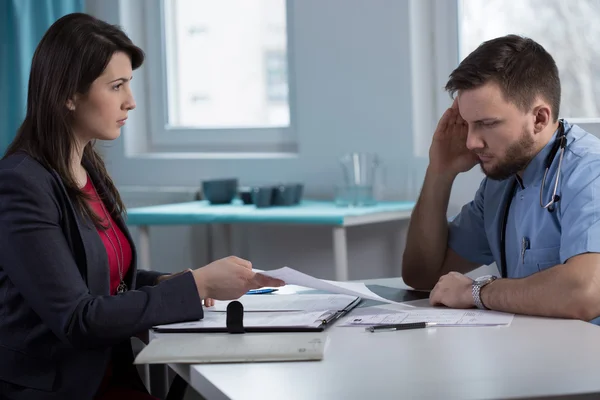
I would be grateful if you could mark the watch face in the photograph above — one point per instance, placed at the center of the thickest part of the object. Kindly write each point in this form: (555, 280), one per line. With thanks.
(484, 279)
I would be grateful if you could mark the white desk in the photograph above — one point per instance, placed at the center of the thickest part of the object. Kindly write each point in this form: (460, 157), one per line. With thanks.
(306, 213)
(533, 357)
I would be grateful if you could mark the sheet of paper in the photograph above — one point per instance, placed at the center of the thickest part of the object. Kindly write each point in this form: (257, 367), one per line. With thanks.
(443, 317)
(351, 285)
(288, 302)
(255, 319)
(371, 316)
(215, 348)
(291, 276)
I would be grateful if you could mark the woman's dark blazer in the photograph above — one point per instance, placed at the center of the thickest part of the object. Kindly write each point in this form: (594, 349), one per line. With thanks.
(58, 323)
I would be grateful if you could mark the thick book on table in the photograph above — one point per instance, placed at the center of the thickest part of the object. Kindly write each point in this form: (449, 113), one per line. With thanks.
(202, 349)
(266, 321)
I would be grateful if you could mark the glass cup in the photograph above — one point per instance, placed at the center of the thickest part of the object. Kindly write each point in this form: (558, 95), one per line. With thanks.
(354, 196)
(360, 169)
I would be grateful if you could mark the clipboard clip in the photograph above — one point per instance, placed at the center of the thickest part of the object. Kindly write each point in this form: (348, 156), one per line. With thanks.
(235, 317)
(328, 316)
(331, 316)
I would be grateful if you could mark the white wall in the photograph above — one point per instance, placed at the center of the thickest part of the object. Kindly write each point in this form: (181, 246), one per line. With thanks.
(352, 74)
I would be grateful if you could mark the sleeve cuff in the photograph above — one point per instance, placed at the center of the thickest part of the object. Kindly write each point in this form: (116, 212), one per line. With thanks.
(180, 299)
(147, 278)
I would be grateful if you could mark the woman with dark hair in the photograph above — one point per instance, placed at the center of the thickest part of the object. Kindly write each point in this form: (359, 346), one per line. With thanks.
(71, 296)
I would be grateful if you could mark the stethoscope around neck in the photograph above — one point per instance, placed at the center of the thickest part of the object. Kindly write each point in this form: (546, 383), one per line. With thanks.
(560, 143)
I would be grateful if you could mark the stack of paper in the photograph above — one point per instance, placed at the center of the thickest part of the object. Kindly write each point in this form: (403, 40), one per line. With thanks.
(265, 320)
(268, 313)
(288, 302)
(441, 316)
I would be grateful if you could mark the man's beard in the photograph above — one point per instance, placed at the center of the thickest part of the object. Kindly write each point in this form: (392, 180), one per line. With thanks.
(517, 157)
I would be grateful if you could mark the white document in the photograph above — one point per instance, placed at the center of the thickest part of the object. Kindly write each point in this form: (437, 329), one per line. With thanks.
(361, 286)
(293, 277)
(288, 302)
(287, 319)
(371, 316)
(442, 317)
(215, 348)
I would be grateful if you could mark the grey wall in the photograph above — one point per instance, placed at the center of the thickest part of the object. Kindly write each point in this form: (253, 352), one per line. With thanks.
(352, 72)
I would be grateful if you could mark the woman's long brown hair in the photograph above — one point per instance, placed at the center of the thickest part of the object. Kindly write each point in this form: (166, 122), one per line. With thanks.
(72, 54)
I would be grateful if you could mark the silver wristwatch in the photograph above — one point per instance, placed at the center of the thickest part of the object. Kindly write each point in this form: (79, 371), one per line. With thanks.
(479, 283)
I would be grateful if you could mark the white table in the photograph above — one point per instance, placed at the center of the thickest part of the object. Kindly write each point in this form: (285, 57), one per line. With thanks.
(306, 213)
(533, 357)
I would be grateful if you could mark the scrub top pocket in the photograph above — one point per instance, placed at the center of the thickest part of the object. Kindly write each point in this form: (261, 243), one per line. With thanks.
(536, 260)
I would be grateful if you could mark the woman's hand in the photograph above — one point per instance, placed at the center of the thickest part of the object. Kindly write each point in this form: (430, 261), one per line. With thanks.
(229, 278)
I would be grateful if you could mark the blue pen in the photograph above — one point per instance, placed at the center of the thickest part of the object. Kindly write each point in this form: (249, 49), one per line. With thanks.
(261, 291)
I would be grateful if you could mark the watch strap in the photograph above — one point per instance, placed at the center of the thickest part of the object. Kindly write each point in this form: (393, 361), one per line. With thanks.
(476, 290)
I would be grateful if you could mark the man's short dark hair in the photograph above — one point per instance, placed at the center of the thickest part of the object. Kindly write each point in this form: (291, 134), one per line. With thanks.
(521, 67)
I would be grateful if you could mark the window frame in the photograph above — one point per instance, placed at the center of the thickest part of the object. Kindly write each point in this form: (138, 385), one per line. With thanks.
(432, 61)
(162, 138)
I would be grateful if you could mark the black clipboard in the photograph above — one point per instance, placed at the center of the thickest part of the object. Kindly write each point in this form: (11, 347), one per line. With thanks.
(325, 323)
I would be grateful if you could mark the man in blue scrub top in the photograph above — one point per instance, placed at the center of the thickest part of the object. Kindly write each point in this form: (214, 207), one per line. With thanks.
(505, 118)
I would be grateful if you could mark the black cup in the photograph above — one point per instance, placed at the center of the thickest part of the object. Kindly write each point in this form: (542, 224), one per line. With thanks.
(287, 194)
(220, 191)
(299, 189)
(245, 194)
(262, 196)
(284, 195)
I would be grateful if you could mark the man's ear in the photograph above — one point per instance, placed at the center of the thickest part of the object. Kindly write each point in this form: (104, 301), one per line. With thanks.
(542, 117)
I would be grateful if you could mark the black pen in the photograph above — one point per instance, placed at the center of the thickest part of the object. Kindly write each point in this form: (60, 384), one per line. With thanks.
(400, 327)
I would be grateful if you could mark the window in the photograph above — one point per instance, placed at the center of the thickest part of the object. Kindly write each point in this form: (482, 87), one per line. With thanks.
(567, 29)
(217, 76)
(225, 67)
